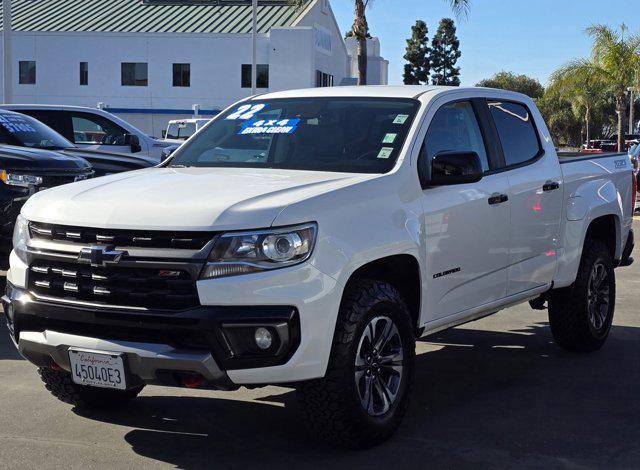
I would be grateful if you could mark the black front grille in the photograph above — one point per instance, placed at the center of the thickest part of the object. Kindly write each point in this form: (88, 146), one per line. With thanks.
(153, 288)
(120, 237)
(58, 180)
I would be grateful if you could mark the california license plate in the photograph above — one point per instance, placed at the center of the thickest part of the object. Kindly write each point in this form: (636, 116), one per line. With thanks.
(97, 369)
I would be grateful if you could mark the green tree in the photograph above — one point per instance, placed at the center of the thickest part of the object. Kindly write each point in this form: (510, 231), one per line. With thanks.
(584, 89)
(360, 28)
(445, 52)
(510, 81)
(615, 59)
(417, 54)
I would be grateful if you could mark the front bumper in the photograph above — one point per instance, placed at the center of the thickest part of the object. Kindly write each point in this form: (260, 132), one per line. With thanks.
(146, 362)
(159, 346)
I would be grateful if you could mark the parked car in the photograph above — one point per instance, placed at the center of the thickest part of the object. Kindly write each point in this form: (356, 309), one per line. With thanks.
(634, 155)
(26, 171)
(34, 134)
(182, 129)
(93, 129)
(309, 237)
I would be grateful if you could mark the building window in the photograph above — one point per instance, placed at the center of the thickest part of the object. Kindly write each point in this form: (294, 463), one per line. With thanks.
(84, 73)
(134, 74)
(323, 79)
(27, 69)
(262, 79)
(181, 74)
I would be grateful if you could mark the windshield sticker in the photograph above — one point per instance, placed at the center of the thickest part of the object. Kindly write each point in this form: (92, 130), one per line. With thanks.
(401, 119)
(246, 111)
(389, 138)
(16, 124)
(269, 126)
(385, 152)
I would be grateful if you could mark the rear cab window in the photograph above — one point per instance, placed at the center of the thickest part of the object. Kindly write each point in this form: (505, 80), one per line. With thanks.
(516, 130)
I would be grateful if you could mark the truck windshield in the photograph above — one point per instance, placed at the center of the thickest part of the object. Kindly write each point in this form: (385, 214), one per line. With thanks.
(323, 134)
(25, 131)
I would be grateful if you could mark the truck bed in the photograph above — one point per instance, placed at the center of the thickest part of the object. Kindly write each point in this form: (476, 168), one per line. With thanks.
(568, 157)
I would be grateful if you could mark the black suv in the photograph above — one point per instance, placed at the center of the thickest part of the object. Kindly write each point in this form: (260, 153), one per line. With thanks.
(24, 171)
(20, 130)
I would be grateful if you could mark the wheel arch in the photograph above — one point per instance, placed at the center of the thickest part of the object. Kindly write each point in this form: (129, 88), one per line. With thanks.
(606, 228)
(401, 271)
(600, 225)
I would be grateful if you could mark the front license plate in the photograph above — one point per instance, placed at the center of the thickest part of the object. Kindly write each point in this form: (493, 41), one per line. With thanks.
(97, 369)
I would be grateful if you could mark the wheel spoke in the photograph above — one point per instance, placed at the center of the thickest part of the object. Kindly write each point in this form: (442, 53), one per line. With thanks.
(384, 335)
(381, 391)
(394, 357)
(395, 369)
(365, 398)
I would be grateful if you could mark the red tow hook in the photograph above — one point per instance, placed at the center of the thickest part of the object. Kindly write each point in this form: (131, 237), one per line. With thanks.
(55, 367)
(192, 380)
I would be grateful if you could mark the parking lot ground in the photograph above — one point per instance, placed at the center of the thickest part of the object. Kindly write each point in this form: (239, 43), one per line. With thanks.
(496, 393)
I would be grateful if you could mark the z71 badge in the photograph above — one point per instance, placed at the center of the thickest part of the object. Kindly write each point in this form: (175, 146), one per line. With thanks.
(620, 163)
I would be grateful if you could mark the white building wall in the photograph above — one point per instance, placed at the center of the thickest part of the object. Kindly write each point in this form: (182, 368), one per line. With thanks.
(293, 54)
(377, 66)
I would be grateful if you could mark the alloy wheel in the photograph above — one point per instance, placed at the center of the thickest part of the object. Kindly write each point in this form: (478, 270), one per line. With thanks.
(379, 365)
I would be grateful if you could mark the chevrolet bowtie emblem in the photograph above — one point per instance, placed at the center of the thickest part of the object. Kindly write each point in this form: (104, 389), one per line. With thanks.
(99, 256)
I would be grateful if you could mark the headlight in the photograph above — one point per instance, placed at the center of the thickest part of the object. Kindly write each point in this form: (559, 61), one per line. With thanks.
(15, 179)
(248, 252)
(21, 237)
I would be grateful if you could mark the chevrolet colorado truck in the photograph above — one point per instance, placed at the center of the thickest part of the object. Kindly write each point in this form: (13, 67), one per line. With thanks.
(308, 238)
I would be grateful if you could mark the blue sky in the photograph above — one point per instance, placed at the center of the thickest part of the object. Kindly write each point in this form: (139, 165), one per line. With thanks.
(532, 37)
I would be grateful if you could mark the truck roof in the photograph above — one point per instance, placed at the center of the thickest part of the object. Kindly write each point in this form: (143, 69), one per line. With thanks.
(379, 91)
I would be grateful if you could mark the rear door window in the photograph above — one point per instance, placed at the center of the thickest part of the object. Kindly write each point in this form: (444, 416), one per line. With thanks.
(516, 130)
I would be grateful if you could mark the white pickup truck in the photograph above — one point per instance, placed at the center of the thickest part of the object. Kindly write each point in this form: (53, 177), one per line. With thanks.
(308, 238)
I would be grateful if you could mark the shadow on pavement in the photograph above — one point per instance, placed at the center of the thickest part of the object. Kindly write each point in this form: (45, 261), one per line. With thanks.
(483, 398)
(7, 348)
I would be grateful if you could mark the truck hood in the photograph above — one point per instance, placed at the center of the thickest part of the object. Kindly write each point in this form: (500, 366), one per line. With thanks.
(182, 198)
(101, 155)
(14, 158)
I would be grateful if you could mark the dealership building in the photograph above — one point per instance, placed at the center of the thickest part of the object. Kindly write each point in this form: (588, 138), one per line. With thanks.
(153, 60)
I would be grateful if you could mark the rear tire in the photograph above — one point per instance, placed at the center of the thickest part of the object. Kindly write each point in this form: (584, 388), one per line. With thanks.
(365, 393)
(61, 386)
(581, 315)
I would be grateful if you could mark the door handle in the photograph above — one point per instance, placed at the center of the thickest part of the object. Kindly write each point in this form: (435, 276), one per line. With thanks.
(551, 186)
(498, 199)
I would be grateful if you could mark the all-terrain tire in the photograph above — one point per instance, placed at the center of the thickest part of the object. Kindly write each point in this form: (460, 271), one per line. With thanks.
(569, 316)
(61, 386)
(332, 406)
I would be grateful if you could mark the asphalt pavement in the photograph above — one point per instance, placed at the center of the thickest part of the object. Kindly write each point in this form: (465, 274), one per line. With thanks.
(495, 393)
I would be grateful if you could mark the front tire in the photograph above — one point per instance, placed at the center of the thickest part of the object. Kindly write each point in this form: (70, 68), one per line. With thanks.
(61, 386)
(581, 315)
(365, 393)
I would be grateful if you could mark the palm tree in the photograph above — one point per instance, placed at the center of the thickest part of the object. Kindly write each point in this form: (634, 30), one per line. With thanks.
(360, 30)
(615, 58)
(585, 89)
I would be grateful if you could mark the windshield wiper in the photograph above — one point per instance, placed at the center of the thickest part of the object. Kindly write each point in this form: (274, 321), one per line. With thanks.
(177, 166)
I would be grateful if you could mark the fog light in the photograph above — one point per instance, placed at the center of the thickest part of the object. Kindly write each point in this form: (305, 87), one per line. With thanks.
(263, 338)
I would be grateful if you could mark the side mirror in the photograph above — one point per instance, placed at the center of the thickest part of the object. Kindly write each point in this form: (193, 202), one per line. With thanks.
(167, 151)
(455, 168)
(132, 141)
